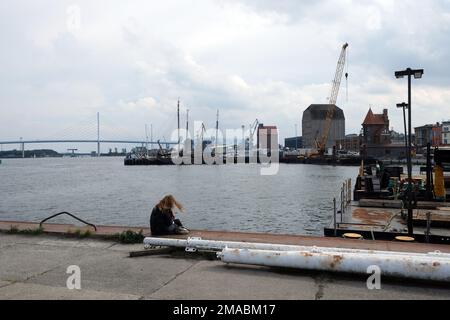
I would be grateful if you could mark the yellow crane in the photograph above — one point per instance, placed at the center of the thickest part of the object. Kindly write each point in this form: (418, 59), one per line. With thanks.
(322, 142)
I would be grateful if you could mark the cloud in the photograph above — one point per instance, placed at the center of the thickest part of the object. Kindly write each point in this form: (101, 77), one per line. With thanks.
(250, 59)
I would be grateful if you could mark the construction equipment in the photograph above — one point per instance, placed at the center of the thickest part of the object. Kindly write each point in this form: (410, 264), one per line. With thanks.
(202, 132)
(322, 142)
(253, 127)
(161, 150)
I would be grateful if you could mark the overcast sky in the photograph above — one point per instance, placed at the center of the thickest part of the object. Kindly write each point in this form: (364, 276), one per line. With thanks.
(61, 62)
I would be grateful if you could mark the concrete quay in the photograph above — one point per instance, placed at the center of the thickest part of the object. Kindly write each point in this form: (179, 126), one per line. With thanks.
(34, 267)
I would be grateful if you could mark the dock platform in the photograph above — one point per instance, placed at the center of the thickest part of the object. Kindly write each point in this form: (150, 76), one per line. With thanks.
(384, 220)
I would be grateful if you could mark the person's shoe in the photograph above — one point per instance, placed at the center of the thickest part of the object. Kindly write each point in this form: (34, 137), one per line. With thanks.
(182, 230)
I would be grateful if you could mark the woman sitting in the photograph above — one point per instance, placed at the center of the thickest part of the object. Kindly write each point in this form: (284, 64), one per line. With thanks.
(162, 219)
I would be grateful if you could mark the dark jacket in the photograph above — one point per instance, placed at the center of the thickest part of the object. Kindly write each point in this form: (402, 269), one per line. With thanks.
(160, 220)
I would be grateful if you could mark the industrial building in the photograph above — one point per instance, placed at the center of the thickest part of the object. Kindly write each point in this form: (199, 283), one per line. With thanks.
(314, 123)
(293, 143)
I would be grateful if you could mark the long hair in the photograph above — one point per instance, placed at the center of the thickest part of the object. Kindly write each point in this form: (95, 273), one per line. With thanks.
(168, 203)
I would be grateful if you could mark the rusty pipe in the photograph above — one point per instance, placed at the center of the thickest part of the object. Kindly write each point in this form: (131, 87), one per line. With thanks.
(416, 266)
(203, 244)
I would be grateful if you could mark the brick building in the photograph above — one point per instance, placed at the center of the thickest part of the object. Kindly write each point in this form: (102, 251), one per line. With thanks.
(376, 140)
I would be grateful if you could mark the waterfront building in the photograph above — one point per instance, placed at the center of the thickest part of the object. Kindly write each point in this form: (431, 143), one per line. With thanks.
(397, 137)
(267, 133)
(376, 128)
(351, 142)
(377, 139)
(293, 143)
(314, 121)
(445, 133)
(437, 135)
(429, 133)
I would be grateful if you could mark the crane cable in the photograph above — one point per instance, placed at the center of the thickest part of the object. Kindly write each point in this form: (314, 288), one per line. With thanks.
(346, 76)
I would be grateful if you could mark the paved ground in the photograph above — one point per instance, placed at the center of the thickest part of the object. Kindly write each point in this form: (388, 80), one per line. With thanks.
(34, 267)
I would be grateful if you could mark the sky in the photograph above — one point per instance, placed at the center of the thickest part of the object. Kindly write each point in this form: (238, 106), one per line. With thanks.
(62, 62)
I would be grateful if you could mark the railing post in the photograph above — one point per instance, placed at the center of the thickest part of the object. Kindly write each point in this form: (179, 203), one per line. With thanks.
(349, 199)
(334, 217)
(427, 234)
(344, 191)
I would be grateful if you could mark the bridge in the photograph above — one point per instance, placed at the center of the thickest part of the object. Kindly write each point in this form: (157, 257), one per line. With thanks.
(141, 142)
(93, 129)
(86, 141)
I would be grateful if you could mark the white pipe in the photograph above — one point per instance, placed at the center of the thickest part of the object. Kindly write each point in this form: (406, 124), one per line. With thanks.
(417, 266)
(200, 244)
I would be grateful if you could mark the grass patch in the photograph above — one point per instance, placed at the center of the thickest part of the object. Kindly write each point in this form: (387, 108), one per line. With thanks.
(87, 234)
(13, 230)
(32, 232)
(80, 234)
(112, 237)
(131, 236)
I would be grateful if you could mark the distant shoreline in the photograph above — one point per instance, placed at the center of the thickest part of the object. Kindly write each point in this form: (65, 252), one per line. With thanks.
(49, 153)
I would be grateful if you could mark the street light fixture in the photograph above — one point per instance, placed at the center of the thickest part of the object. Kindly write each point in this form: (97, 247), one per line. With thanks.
(409, 72)
(417, 73)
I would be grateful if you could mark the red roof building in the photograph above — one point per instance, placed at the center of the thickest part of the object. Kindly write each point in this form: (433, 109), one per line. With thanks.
(376, 128)
(376, 138)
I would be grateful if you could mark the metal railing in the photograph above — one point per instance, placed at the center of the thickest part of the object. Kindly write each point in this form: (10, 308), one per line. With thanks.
(73, 216)
(345, 199)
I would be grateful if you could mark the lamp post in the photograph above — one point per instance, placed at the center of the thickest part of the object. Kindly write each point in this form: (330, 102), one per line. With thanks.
(404, 106)
(417, 73)
(296, 140)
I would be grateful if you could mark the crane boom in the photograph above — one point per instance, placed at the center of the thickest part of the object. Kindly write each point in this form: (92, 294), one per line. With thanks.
(253, 127)
(332, 100)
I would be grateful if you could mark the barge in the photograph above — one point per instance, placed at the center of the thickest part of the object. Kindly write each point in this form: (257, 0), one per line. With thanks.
(378, 208)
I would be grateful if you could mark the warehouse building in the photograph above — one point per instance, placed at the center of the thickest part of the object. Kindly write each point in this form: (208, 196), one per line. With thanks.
(313, 125)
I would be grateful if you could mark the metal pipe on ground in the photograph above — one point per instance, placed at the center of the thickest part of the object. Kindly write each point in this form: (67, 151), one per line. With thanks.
(423, 267)
(203, 244)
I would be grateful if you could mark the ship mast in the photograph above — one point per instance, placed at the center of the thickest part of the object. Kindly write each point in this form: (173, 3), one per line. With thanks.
(178, 119)
(217, 128)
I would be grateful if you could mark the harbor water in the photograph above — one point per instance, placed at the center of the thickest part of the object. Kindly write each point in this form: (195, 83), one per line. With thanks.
(296, 200)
